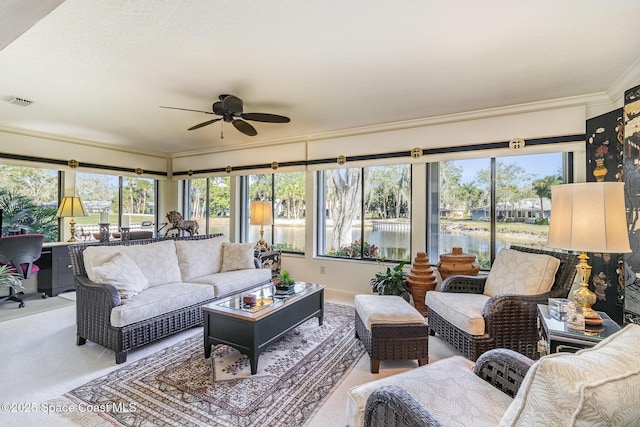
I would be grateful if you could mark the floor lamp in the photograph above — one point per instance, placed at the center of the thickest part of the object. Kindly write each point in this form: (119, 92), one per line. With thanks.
(71, 207)
(261, 215)
(588, 217)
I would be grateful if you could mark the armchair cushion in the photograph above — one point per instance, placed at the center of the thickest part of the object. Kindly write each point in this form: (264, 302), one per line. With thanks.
(123, 274)
(449, 389)
(464, 311)
(521, 273)
(595, 386)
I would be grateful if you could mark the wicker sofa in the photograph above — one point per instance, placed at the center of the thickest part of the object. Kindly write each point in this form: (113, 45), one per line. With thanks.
(180, 273)
(505, 319)
(598, 386)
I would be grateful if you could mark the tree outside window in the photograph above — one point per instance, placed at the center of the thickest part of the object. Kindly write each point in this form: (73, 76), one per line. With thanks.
(522, 189)
(286, 191)
(29, 201)
(374, 226)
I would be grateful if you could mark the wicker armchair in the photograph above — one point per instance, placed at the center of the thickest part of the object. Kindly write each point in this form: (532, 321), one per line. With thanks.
(393, 406)
(509, 319)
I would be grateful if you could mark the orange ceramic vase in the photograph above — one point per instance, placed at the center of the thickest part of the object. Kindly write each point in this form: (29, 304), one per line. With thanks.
(421, 279)
(457, 263)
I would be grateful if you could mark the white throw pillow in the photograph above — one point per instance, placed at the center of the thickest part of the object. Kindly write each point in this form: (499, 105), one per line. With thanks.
(95, 256)
(237, 256)
(199, 258)
(521, 273)
(596, 386)
(123, 273)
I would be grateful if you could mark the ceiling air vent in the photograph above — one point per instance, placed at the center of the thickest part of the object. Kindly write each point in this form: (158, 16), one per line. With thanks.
(20, 102)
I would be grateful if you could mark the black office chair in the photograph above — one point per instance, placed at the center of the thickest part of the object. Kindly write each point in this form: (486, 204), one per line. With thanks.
(20, 252)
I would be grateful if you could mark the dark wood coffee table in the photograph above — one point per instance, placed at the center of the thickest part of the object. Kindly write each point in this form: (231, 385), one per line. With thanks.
(253, 329)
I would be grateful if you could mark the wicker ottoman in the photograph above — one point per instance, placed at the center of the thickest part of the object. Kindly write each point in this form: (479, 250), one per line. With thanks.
(391, 329)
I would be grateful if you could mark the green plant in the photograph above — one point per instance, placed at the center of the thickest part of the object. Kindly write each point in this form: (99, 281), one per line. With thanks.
(9, 277)
(355, 249)
(284, 279)
(393, 281)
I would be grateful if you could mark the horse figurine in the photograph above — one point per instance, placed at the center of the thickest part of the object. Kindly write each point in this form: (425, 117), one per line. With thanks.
(180, 224)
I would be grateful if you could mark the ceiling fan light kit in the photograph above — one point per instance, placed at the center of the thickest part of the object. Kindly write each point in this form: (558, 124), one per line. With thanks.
(230, 108)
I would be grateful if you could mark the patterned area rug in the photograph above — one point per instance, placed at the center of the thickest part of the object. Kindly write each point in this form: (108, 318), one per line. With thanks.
(176, 387)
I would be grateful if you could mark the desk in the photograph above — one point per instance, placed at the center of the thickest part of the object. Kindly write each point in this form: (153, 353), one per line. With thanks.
(555, 337)
(56, 274)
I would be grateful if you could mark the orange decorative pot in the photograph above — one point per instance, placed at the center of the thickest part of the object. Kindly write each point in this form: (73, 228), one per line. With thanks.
(421, 279)
(458, 263)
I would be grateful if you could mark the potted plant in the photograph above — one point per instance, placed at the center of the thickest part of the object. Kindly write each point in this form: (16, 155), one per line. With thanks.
(393, 281)
(9, 278)
(283, 280)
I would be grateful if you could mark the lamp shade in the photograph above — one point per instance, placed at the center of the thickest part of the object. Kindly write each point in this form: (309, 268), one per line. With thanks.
(260, 213)
(589, 217)
(71, 207)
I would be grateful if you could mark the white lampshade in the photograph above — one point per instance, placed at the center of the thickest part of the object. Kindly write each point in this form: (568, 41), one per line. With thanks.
(589, 217)
(260, 213)
(71, 207)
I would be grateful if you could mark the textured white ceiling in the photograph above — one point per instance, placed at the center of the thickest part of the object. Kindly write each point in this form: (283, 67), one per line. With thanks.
(99, 70)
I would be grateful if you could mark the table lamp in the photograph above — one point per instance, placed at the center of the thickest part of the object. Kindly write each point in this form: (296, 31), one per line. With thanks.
(71, 207)
(588, 217)
(261, 215)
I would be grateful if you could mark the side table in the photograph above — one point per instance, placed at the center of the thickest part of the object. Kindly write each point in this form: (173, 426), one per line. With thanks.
(556, 337)
(270, 259)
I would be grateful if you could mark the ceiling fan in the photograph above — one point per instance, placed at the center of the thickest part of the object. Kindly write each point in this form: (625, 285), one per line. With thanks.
(230, 108)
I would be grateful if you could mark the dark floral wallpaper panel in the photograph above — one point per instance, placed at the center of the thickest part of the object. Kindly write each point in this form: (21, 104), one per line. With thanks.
(604, 140)
(631, 177)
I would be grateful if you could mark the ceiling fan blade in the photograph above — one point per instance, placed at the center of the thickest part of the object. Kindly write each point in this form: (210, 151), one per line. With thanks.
(187, 109)
(244, 127)
(264, 117)
(217, 108)
(203, 124)
(233, 104)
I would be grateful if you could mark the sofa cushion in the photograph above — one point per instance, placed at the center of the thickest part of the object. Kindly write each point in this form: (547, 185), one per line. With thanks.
(157, 261)
(596, 386)
(159, 299)
(199, 257)
(121, 272)
(464, 311)
(234, 281)
(447, 388)
(389, 309)
(237, 256)
(94, 256)
(521, 273)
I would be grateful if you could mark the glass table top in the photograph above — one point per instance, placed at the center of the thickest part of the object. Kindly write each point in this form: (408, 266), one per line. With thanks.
(593, 333)
(265, 296)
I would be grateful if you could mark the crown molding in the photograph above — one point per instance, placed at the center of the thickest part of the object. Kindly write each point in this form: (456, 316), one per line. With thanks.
(627, 80)
(83, 142)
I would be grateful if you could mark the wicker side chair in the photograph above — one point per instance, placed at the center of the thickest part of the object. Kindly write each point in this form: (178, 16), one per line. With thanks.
(392, 405)
(510, 320)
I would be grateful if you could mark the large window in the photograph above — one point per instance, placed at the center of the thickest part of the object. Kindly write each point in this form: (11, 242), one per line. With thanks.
(29, 201)
(100, 193)
(365, 213)
(122, 198)
(139, 201)
(286, 192)
(488, 204)
(209, 204)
